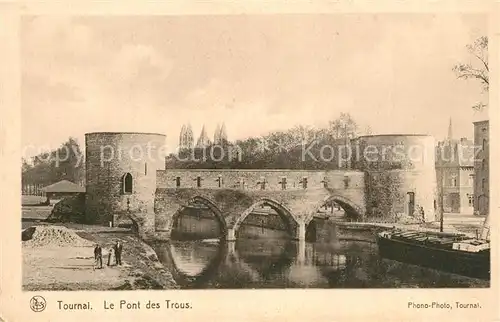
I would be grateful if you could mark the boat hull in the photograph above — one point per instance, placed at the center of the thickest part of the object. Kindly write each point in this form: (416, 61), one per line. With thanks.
(476, 265)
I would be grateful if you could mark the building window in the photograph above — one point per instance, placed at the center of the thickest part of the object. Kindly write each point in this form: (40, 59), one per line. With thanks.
(484, 144)
(127, 183)
(454, 182)
(471, 180)
(483, 183)
(262, 183)
(471, 200)
(146, 169)
(283, 183)
(198, 182)
(483, 164)
(304, 182)
(177, 182)
(219, 180)
(346, 182)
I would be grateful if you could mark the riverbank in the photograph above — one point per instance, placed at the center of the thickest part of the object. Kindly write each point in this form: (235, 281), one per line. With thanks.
(471, 228)
(67, 267)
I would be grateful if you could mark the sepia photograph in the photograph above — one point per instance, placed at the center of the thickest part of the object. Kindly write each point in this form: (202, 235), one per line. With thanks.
(253, 151)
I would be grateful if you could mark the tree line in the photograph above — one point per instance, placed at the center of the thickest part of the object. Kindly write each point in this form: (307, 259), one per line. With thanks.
(301, 147)
(65, 163)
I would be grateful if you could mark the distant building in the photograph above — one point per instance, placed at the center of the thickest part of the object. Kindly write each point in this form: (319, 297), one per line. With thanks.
(455, 173)
(217, 139)
(481, 167)
(63, 188)
(203, 140)
(223, 133)
(186, 138)
(220, 135)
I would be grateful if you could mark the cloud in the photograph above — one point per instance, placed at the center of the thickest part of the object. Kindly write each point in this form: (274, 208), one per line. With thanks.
(136, 60)
(39, 90)
(57, 43)
(256, 73)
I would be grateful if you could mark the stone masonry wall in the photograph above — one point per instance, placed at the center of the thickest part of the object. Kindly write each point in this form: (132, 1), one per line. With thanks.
(397, 167)
(387, 195)
(250, 179)
(109, 156)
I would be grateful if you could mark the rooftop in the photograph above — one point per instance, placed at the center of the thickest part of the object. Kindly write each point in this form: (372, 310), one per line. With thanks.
(64, 186)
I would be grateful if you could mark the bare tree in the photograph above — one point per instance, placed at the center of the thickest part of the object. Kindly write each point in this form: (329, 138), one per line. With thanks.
(478, 68)
(343, 127)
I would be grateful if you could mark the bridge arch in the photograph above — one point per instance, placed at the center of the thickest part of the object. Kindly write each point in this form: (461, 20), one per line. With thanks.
(285, 214)
(141, 224)
(207, 203)
(351, 208)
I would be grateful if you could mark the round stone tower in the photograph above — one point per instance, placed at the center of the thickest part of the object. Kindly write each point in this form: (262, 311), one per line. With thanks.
(400, 176)
(121, 175)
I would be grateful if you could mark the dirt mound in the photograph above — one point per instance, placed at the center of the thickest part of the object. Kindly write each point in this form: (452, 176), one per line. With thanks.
(53, 236)
(69, 209)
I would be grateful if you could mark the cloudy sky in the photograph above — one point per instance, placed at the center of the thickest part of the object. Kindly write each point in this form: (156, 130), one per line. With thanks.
(255, 73)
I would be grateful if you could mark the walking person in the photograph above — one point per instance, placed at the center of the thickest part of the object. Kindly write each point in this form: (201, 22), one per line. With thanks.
(118, 253)
(98, 256)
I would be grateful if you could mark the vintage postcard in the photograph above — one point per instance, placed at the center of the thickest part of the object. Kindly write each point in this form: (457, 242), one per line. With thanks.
(250, 162)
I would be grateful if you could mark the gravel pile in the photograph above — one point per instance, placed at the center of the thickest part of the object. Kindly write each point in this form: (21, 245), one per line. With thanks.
(53, 236)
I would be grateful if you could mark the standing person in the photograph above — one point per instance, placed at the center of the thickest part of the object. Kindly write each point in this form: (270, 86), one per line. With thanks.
(118, 253)
(111, 252)
(98, 256)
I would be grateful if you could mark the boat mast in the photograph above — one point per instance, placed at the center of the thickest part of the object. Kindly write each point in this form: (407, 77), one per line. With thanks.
(441, 210)
(440, 201)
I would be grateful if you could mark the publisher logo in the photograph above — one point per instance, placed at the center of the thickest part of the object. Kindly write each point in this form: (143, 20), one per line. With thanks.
(37, 303)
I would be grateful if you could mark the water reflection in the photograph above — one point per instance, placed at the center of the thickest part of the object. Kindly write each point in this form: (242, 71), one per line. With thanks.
(192, 264)
(281, 263)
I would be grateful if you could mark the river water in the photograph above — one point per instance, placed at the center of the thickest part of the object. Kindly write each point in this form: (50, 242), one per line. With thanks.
(281, 263)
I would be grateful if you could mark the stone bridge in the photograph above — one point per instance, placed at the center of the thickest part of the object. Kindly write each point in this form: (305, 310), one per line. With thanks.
(232, 195)
(391, 185)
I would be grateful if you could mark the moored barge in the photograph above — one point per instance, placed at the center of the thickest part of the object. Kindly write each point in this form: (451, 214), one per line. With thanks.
(455, 253)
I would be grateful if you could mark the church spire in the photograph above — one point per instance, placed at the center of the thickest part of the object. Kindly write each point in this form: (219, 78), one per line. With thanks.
(217, 134)
(181, 136)
(186, 137)
(203, 140)
(450, 131)
(189, 136)
(223, 133)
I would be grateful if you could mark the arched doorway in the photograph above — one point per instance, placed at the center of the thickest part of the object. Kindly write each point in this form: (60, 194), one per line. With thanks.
(199, 219)
(266, 218)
